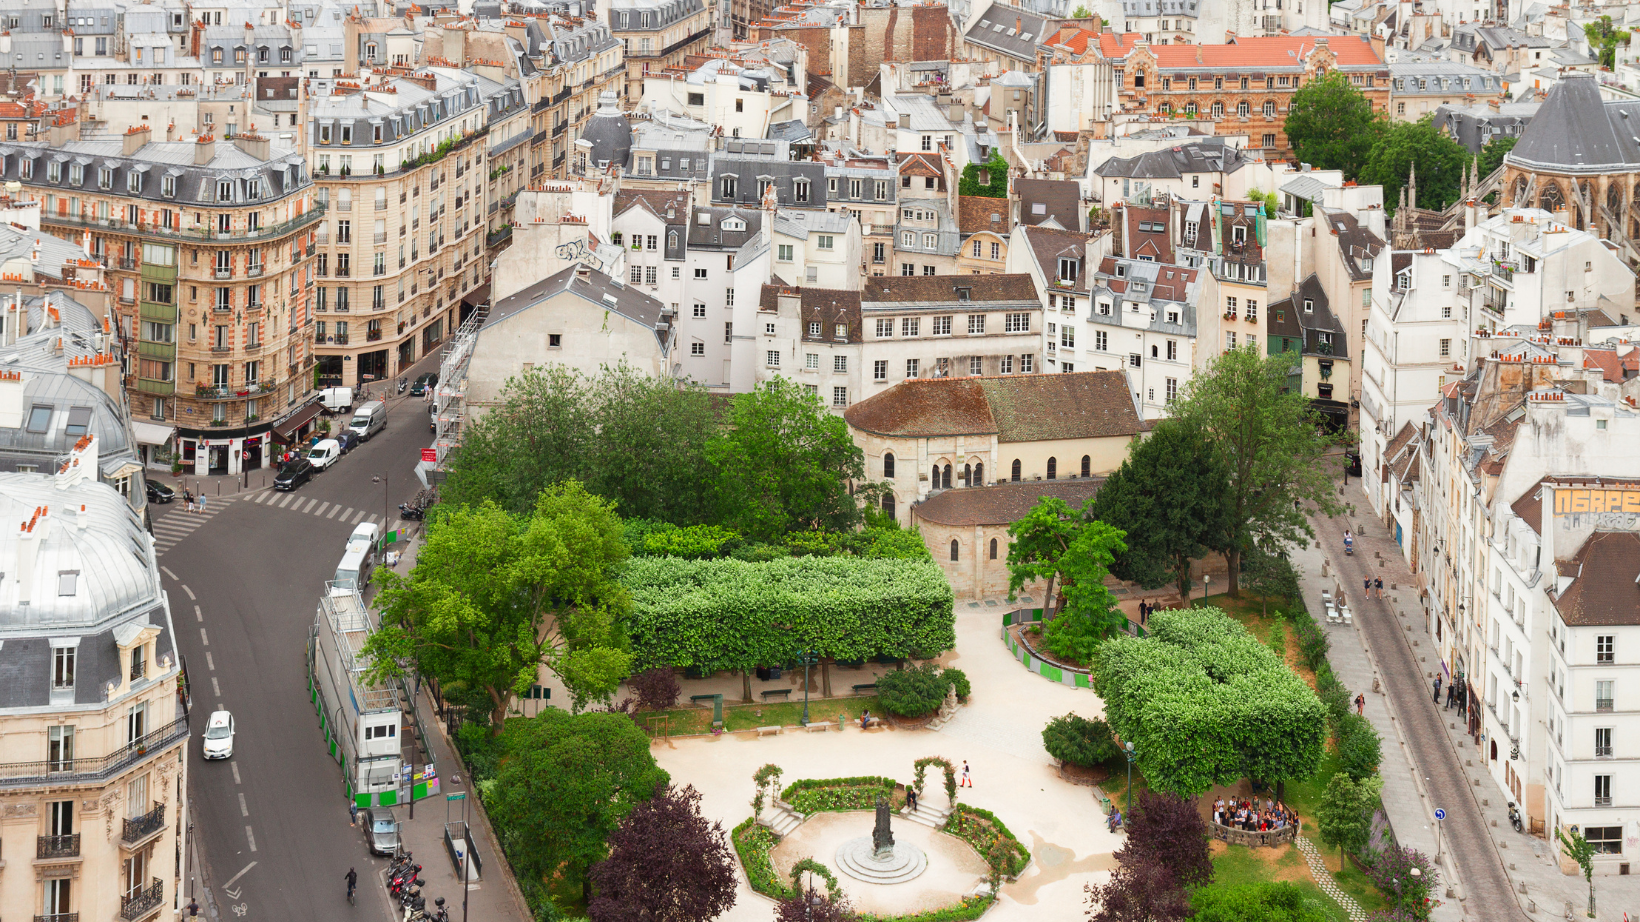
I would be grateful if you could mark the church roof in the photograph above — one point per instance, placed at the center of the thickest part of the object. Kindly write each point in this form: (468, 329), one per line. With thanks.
(1576, 131)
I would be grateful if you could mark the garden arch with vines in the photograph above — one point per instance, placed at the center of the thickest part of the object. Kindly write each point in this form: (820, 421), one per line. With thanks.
(921, 766)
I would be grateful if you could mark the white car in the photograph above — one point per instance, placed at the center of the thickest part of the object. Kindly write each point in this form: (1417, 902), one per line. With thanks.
(364, 536)
(219, 735)
(324, 454)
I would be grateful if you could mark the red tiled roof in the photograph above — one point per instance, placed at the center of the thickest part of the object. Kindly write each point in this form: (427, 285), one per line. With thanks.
(977, 213)
(1075, 39)
(1016, 408)
(1611, 368)
(1003, 504)
(1530, 506)
(1602, 590)
(1113, 45)
(1267, 52)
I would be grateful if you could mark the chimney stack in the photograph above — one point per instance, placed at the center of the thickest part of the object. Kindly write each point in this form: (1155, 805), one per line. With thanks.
(136, 138)
(204, 149)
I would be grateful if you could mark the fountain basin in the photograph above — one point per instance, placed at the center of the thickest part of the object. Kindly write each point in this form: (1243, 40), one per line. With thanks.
(860, 859)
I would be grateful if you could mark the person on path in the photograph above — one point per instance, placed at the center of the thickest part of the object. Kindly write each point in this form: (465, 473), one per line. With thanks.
(1143, 611)
(1451, 695)
(352, 814)
(188, 500)
(1366, 586)
(193, 908)
(1378, 585)
(967, 782)
(1437, 689)
(1360, 705)
(201, 504)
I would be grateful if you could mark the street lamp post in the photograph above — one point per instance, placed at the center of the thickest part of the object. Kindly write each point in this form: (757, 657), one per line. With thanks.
(387, 504)
(1131, 756)
(808, 660)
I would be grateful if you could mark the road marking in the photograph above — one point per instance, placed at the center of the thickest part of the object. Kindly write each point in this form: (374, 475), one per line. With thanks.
(310, 504)
(198, 615)
(334, 511)
(209, 662)
(203, 638)
(288, 498)
(167, 572)
(358, 517)
(235, 767)
(217, 689)
(234, 894)
(322, 509)
(190, 592)
(243, 809)
(251, 836)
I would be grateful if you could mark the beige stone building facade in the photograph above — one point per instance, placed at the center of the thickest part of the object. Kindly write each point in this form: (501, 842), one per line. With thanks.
(656, 35)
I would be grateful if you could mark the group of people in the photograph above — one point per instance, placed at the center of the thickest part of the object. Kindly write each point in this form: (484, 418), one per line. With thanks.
(1247, 814)
(191, 502)
(1373, 585)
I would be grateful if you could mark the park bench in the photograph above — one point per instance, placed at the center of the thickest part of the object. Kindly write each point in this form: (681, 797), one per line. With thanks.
(865, 688)
(874, 723)
(777, 693)
(819, 727)
(768, 731)
(697, 699)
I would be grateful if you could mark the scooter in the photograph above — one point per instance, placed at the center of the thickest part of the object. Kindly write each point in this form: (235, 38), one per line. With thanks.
(403, 385)
(1514, 816)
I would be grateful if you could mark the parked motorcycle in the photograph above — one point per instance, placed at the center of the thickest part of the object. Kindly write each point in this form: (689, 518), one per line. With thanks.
(1514, 816)
(404, 385)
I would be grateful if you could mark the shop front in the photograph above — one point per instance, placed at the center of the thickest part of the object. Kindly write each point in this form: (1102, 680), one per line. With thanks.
(224, 451)
(153, 442)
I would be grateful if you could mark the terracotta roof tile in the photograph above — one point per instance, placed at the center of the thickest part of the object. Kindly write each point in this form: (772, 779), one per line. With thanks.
(825, 306)
(1049, 243)
(1530, 506)
(657, 200)
(1113, 45)
(1271, 52)
(1080, 405)
(1003, 504)
(977, 213)
(923, 407)
(1603, 589)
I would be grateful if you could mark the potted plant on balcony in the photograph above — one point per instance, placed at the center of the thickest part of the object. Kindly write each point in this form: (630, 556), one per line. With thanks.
(200, 389)
(324, 169)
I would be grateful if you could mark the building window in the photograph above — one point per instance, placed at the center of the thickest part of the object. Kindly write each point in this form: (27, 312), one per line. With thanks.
(976, 365)
(772, 358)
(811, 360)
(1015, 473)
(954, 547)
(1602, 790)
(1605, 648)
(879, 370)
(1607, 840)
(888, 465)
(697, 348)
(911, 366)
(62, 668)
(839, 364)
(1053, 468)
(993, 548)
(942, 326)
(910, 326)
(1603, 742)
(839, 396)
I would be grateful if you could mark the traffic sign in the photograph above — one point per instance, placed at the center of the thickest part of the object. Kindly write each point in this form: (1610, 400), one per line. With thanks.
(430, 455)
(1440, 814)
(460, 796)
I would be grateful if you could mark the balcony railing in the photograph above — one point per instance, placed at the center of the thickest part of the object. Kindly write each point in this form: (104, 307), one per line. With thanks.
(57, 846)
(224, 272)
(142, 902)
(1602, 704)
(373, 335)
(303, 220)
(1602, 752)
(254, 271)
(128, 262)
(75, 771)
(1602, 801)
(59, 917)
(141, 827)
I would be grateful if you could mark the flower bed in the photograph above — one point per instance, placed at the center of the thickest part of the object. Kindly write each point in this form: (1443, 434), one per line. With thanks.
(971, 907)
(835, 795)
(980, 828)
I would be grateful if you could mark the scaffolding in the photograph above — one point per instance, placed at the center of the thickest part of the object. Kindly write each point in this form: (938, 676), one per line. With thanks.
(362, 720)
(450, 395)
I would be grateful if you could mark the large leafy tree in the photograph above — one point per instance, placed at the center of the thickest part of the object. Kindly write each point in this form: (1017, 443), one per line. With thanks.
(494, 596)
(1405, 146)
(1344, 817)
(563, 784)
(1143, 891)
(538, 436)
(666, 864)
(785, 464)
(1169, 496)
(1332, 126)
(1493, 152)
(1039, 543)
(1090, 613)
(1168, 830)
(649, 452)
(1272, 445)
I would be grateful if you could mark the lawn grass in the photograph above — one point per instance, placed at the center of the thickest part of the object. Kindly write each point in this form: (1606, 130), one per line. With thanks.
(687, 721)
(1238, 865)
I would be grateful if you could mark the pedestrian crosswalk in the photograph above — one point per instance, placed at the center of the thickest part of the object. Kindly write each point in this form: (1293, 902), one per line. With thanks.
(176, 525)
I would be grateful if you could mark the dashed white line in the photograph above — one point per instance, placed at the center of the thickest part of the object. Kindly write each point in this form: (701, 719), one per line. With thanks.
(198, 615)
(167, 572)
(334, 511)
(251, 836)
(244, 810)
(190, 592)
(203, 638)
(286, 501)
(209, 662)
(235, 767)
(358, 517)
(310, 504)
(215, 688)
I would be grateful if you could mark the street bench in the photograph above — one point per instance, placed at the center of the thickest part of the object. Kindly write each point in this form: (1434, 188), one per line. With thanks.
(820, 727)
(697, 699)
(874, 723)
(865, 688)
(769, 731)
(777, 693)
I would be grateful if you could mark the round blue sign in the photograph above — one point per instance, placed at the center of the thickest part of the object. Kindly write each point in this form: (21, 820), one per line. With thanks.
(1440, 814)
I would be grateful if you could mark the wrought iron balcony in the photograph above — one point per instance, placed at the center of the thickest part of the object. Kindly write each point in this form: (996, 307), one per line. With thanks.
(57, 846)
(141, 827)
(140, 903)
(59, 917)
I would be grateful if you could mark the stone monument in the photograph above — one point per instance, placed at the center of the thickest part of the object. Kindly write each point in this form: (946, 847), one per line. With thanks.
(877, 858)
(882, 838)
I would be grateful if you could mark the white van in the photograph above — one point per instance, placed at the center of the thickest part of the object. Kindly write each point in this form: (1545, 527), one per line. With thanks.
(354, 570)
(369, 420)
(324, 454)
(336, 399)
(364, 535)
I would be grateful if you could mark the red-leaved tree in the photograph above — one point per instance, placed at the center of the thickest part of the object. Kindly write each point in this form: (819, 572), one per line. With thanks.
(1142, 891)
(1167, 830)
(813, 907)
(666, 864)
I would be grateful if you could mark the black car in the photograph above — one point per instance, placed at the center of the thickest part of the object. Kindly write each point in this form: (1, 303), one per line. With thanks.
(293, 475)
(159, 492)
(348, 440)
(423, 384)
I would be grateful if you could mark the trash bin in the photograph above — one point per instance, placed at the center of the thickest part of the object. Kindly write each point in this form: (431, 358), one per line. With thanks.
(1105, 805)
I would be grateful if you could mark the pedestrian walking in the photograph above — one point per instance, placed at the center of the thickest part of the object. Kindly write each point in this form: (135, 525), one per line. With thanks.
(1360, 705)
(1378, 585)
(967, 782)
(352, 814)
(193, 908)
(1451, 695)
(202, 504)
(1437, 689)
(188, 500)
(1144, 611)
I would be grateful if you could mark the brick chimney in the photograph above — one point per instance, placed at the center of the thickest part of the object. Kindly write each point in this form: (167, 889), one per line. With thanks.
(136, 138)
(204, 149)
(253, 144)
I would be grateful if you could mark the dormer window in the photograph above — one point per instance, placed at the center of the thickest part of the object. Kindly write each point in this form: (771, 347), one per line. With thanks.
(733, 224)
(1309, 306)
(965, 294)
(1121, 270)
(1366, 264)
(133, 182)
(168, 186)
(727, 187)
(814, 329)
(224, 190)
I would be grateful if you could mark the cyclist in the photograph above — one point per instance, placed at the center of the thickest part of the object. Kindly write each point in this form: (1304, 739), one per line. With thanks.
(352, 881)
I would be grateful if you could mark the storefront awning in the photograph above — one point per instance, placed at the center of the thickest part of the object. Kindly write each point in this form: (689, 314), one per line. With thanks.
(297, 420)
(152, 433)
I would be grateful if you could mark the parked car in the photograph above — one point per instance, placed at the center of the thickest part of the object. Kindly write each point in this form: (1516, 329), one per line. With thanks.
(324, 454)
(159, 492)
(424, 383)
(219, 735)
(348, 440)
(382, 831)
(293, 475)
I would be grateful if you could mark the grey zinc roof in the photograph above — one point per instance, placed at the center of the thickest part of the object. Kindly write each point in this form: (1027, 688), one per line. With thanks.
(794, 223)
(608, 133)
(1305, 187)
(283, 173)
(784, 174)
(1012, 30)
(1473, 126)
(709, 234)
(1575, 131)
(1210, 156)
(790, 131)
(925, 112)
(624, 14)
(1441, 78)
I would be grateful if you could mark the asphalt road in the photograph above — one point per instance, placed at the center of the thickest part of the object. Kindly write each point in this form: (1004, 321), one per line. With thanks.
(271, 823)
(1486, 885)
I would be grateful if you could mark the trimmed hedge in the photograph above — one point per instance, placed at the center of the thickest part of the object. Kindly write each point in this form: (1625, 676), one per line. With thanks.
(733, 614)
(819, 795)
(975, 825)
(1205, 703)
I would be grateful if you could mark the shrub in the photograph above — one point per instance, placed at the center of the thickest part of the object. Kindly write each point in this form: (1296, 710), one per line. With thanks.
(1261, 900)
(1359, 748)
(759, 553)
(1168, 829)
(1391, 874)
(1079, 741)
(656, 689)
(981, 829)
(912, 692)
(960, 679)
(820, 795)
(1334, 697)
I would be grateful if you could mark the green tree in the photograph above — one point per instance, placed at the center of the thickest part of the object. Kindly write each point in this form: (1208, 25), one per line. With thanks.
(1040, 541)
(1493, 152)
(1332, 126)
(1090, 614)
(785, 464)
(1577, 848)
(1258, 901)
(1079, 741)
(1271, 441)
(650, 448)
(1604, 39)
(537, 436)
(1081, 12)
(996, 178)
(495, 596)
(1344, 817)
(1405, 146)
(1270, 575)
(564, 783)
(1168, 496)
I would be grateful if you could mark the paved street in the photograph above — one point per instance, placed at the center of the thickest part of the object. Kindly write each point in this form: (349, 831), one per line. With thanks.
(271, 824)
